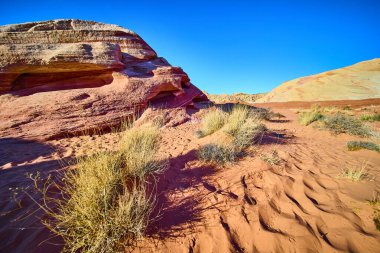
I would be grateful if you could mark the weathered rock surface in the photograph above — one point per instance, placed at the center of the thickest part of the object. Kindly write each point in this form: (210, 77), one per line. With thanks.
(65, 76)
(359, 81)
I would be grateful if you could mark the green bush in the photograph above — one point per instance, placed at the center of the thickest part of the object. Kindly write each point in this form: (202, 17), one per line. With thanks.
(340, 123)
(371, 118)
(356, 145)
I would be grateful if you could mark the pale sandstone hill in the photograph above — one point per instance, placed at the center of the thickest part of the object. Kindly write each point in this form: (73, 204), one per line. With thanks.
(64, 76)
(359, 81)
(234, 97)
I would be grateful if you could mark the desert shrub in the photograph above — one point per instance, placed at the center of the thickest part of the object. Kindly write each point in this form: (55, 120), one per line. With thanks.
(217, 154)
(375, 202)
(104, 205)
(260, 113)
(138, 147)
(356, 145)
(242, 123)
(340, 123)
(276, 115)
(271, 158)
(249, 131)
(354, 174)
(371, 118)
(211, 122)
(306, 118)
(235, 119)
(347, 108)
(329, 109)
(376, 220)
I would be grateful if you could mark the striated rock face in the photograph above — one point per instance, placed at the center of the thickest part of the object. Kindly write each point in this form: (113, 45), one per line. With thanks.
(65, 76)
(359, 81)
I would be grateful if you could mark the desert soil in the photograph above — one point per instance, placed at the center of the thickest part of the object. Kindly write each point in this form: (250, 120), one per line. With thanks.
(299, 205)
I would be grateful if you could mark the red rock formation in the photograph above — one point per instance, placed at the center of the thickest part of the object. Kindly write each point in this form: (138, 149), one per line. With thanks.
(65, 76)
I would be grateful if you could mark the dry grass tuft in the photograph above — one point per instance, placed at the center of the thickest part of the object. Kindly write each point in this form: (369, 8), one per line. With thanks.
(104, 205)
(308, 117)
(138, 147)
(248, 132)
(355, 173)
(375, 202)
(272, 158)
(217, 154)
(211, 122)
(376, 220)
(244, 128)
(236, 118)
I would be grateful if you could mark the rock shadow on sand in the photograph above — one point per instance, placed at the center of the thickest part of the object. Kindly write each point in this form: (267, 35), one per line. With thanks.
(177, 210)
(21, 229)
(15, 151)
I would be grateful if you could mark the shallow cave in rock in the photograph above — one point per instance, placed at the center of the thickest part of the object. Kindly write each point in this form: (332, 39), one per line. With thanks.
(162, 98)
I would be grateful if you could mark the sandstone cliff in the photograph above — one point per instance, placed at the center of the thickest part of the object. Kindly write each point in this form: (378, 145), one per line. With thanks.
(65, 76)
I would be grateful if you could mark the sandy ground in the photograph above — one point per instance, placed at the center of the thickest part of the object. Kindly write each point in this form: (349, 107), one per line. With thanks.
(300, 205)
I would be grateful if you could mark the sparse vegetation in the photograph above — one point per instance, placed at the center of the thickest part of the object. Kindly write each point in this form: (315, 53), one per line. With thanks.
(375, 202)
(357, 145)
(376, 220)
(217, 154)
(236, 118)
(271, 157)
(347, 108)
(243, 125)
(312, 115)
(104, 204)
(261, 114)
(375, 199)
(370, 118)
(235, 97)
(354, 174)
(340, 123)
(306, 118)
(277, 115)
(247, 133)
(137, 148)
(211, 122)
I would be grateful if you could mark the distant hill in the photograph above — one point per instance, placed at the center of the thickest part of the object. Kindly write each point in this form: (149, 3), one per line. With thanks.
(359, 81)
(234, 97)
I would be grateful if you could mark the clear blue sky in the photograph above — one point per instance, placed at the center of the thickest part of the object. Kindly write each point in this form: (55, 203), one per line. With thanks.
(233, 46)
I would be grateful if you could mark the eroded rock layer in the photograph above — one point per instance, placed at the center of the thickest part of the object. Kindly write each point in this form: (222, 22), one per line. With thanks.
(65, 76)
